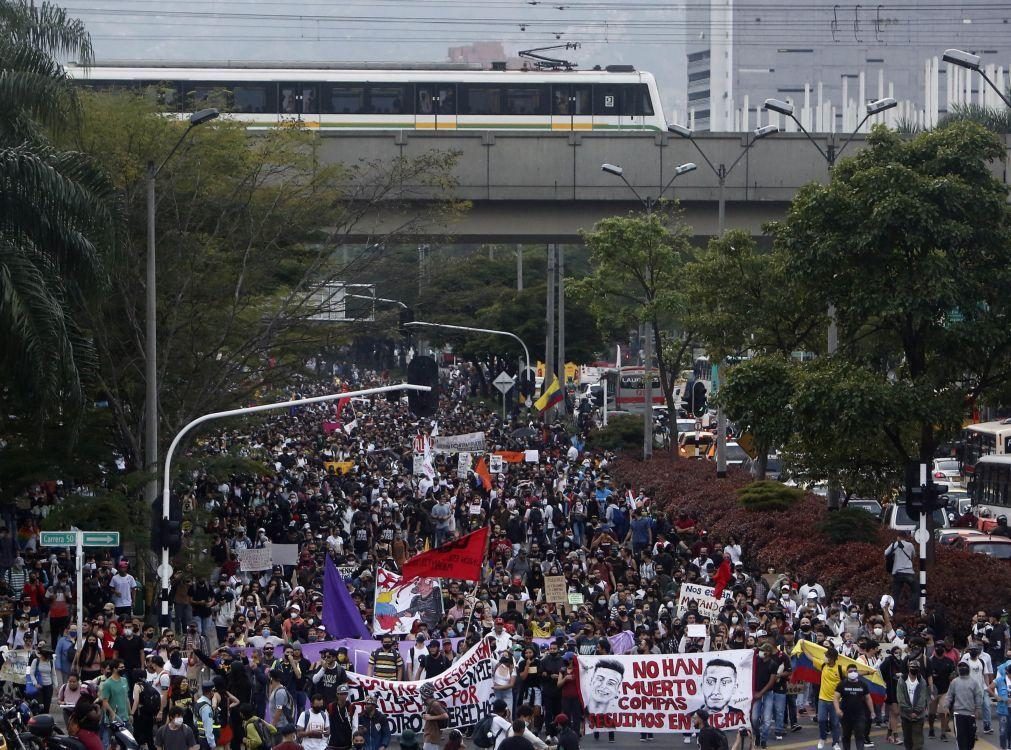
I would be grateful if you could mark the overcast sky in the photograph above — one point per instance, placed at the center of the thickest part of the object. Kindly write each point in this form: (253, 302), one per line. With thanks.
(644, 33)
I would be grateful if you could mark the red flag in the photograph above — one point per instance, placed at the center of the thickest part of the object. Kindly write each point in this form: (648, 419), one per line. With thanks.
(460, 559)
(722, 578)
(482, 471)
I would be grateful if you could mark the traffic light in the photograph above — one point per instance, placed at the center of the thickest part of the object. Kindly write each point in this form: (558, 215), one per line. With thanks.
(166, 532)
(172, 535)
(922, 498)
(406, 316)
(699, 403)
(528, 381)
(423, 371)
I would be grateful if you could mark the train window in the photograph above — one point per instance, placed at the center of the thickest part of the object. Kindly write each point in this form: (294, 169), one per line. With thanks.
(390, 99)
(251, 98)
(606, 99)
(200, 95)
(436, 98)
(344, 99)
(645, 100)
(571, 100)
(297, 99)
(635, 100)
(527, 100)
(165, 94)
(478, 99)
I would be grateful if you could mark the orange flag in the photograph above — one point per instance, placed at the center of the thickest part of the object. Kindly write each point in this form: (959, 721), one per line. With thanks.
(482, 471)
(511, 457)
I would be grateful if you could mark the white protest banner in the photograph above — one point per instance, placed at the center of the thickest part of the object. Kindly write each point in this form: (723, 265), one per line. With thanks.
(463, 465)
(15, 666)
(251, 560)
(284, 554)
(659, 693)
(399, 603)
(495, 464)
(702, 599)
(418, 469)
(471, 442)
(465, 689)
(556, 589)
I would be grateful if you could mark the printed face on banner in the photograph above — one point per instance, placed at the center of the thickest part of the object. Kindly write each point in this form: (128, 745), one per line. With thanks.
(647, 693)
(400, 604)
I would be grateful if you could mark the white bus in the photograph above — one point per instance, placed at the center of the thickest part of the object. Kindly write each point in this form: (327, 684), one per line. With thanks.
(617, 97)
(989, 488)
(985, 439)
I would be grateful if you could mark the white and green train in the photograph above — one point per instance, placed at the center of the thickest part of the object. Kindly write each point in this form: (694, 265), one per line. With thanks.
(612, 98)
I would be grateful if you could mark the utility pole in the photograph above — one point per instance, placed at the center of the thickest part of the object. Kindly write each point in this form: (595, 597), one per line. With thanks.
(560, 281)
(647, 391)
(549, 344)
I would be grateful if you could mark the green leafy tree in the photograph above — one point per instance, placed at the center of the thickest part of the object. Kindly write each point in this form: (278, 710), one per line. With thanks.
(751, 300)
(911, 241)
(250, 230)
(757, 396)
(637, 262)
(57, 209)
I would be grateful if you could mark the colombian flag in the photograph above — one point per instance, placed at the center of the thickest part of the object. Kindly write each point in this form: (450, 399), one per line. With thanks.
(552, 395)
(809, 657)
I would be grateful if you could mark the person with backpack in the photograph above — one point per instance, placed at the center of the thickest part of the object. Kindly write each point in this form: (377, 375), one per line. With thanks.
(436, 718)
(208, 726)
(711, 738)
(281, 704)
(145, 705)
(899, 563)
(494, 727)
(257, 734)
(313, 726)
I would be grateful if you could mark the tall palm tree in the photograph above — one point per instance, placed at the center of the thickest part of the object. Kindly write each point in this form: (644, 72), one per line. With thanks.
(57, 208)
(996, 119)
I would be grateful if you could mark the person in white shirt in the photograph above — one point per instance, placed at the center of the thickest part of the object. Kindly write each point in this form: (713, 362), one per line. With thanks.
(123, 586)
(313, 726)
(500, 724)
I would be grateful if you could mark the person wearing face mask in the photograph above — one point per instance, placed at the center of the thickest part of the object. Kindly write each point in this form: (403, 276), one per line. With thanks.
(913, 698)
(965, 703)
(115, 695)
(175, 735)
(853, 705)
(981, 670)
(313, 726)
(129, 647)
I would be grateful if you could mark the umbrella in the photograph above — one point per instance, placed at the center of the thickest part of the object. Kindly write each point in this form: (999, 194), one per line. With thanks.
(523, 433)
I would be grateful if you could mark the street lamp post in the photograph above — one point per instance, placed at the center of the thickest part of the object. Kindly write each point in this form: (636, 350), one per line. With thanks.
(151, 334)
(648, 204)
(492, 331)
(165, 571)
(970, 61)
(721, 172)
(831, 156)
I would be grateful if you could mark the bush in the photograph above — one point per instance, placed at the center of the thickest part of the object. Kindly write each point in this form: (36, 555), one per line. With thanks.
(768, 496)
(849, 525)
(797, 542)
(622, 433)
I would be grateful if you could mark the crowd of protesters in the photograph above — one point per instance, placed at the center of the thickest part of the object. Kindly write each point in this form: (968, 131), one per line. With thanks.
(230, 670)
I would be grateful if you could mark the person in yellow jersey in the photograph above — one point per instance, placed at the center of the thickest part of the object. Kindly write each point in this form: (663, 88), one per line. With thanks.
(831, 676)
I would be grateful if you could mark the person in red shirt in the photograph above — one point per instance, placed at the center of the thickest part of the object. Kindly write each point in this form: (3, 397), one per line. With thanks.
(35, 592)
(288, 738)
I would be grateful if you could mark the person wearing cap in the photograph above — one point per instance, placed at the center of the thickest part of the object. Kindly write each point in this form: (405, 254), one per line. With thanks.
(965, 703)
(435, 716)
(329, 675)
(205, 715)
(124, 590)
(913, 698)
(567, 738)
(409, 740)
(981, 670)
(342, 719)
(502, 637)
(432, 664)
(373, 725)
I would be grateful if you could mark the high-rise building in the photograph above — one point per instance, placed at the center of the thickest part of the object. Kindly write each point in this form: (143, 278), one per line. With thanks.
(828, 59)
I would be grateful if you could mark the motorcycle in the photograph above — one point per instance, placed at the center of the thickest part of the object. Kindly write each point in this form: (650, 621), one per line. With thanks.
(11, 726)
(122, 737)
(43, 734)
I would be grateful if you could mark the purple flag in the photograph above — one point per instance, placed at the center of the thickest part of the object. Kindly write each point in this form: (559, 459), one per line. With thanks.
(341, 617)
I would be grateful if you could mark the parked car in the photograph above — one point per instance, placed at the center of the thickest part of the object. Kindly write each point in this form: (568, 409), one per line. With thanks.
(735, 454)
(697, 444)
(867, 504)
(896, 518)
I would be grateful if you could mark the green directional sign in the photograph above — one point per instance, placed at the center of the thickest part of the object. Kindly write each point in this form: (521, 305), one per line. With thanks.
(58, 538)
(101, 538)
